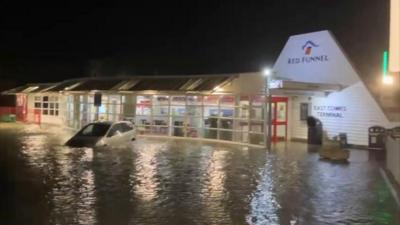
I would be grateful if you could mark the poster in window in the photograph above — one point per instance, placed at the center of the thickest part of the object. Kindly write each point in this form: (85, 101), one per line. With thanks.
(303, 111)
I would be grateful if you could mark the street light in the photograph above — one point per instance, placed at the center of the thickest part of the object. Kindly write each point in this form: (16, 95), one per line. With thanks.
(267, 72)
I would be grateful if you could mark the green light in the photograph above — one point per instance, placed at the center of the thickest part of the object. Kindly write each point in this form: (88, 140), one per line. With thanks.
(385, 63)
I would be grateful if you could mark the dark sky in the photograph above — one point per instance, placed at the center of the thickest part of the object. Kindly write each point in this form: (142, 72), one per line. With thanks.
(52, 42)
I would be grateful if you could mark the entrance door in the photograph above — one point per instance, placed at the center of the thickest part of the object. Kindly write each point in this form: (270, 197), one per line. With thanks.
(279, 118)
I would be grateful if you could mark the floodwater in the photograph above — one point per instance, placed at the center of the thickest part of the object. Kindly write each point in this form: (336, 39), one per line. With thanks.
(162, 181)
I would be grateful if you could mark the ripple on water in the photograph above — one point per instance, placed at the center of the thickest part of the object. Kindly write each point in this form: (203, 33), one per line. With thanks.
(159, 181)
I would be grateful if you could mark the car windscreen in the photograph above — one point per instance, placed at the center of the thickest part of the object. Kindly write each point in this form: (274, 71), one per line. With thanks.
(95, 130)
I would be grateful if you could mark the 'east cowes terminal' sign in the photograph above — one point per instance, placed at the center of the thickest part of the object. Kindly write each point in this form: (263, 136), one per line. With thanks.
(329, 111)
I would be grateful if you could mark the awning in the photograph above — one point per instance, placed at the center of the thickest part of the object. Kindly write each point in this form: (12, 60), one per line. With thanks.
(295, 88)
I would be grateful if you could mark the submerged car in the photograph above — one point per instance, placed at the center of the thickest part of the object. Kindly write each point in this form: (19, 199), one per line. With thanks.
(96, 134)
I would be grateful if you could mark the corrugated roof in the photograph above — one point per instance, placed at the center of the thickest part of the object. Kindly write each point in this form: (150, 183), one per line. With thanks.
(63, 85)
(131, 83)
(29, 88)
(95, 84)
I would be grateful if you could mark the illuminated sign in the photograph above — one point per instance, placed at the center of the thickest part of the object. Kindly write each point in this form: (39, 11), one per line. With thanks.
(273, 84)
(309, 58)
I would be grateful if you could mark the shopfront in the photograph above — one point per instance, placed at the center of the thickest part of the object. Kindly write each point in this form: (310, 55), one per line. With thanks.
(312, 77)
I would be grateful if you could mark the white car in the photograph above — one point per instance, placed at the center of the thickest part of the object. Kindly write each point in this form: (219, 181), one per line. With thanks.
(112, 134)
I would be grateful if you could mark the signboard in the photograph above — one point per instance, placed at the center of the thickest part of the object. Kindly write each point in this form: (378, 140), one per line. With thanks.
(330, 111)
(315, 58)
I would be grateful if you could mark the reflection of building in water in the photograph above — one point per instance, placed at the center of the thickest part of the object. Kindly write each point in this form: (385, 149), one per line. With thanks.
(215, 187)
(146, 170)
(264, 206)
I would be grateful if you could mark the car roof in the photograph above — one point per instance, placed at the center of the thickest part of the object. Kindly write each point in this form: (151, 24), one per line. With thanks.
(109, 122)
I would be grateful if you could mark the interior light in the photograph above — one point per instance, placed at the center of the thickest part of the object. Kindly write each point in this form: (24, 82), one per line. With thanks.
(218, 89)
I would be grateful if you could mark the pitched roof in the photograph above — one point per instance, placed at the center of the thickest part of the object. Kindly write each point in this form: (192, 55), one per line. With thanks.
(132, 83)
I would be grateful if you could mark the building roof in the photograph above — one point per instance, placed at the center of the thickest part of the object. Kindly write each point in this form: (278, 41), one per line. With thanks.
(197, 83)
(30, 88)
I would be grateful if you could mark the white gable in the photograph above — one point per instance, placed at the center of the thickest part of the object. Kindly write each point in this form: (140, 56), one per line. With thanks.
(316, 58)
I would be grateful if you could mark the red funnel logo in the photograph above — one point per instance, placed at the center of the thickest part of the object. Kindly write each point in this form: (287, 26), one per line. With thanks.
(307, 47)
(308, 50)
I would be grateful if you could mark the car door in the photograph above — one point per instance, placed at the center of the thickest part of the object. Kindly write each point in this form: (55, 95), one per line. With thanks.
(115, 135)
(129, 131)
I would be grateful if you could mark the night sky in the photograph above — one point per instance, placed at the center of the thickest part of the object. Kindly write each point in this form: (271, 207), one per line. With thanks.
(53, 42)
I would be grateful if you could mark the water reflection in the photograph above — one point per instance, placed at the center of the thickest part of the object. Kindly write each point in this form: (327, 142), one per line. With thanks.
(144, 180)
(264, 206)
(184, 182)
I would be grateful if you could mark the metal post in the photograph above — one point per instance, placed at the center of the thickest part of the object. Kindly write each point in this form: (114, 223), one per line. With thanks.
(268, 114)
(96, 115)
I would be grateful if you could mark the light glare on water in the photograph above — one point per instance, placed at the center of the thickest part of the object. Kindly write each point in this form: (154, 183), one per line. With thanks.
(160, 181)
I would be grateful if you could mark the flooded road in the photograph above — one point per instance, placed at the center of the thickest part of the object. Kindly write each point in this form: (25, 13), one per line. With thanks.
(161, 181)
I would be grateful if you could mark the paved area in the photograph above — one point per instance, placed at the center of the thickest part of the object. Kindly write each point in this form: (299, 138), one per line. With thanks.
(159, 181)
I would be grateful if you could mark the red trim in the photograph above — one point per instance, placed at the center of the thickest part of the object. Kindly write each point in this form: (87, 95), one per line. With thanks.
(275, 123)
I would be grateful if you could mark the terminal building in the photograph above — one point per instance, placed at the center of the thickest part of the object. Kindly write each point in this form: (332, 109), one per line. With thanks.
(311, 77)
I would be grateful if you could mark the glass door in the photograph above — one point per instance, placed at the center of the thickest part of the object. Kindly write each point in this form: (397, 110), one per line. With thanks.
(279, 118)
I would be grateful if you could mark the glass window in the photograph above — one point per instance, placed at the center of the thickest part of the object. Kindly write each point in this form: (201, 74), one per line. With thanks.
(225, 135)
(194, 100)
(257, 126)
(178, 110)
(256, 113)
(210, 133)
(160, 100)
(211, 122)
(160, 121)
(194, 122)
(211, 100)
(38, 105)
(178, 100)
(281, 112)
(96, 130)
(193, 110)
(143, 105)
(241, 125)
(226, 124)
(211, 111)
(143, 120)
(258, 100)
(125, 127)
(116, 129)
(227, 112)
(45, 98)
(242, 110)
(227, 100)
(160, 110)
